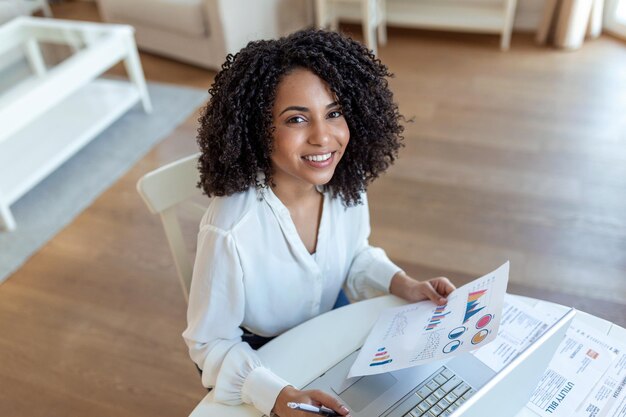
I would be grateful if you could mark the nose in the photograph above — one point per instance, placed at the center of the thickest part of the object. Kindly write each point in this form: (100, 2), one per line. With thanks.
(321, 134)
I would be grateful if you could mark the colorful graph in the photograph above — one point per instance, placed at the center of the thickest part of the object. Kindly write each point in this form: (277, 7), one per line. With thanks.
(480, 336)
(438, 315)
(451, 347)
(472, 304)
(484, 320)
(456, 333)
(381, 357)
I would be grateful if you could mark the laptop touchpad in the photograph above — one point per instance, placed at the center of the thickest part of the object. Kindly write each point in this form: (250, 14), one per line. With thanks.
(366, 390)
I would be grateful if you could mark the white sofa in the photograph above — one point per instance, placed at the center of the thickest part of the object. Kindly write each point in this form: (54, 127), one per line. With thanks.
(10, 9)
(203, 32)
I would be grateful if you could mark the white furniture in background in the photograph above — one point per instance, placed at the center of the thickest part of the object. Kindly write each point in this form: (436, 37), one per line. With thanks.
(203, 32)
(295, 358)
(566, 24)
(164, 191)
(372, 19)
(615, 17)
(49, 115)
(479, 16)
(10, 9)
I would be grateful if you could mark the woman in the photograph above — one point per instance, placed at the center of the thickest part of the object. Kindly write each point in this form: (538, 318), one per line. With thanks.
(295, 130)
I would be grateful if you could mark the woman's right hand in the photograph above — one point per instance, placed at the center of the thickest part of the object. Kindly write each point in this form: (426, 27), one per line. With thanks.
(313, 397)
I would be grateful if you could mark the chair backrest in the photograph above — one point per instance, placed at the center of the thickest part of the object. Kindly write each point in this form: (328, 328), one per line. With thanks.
(164, 190)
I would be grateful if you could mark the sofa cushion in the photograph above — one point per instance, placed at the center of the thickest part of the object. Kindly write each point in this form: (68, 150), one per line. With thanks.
(7, 11)
(11, 9)
(186, 17)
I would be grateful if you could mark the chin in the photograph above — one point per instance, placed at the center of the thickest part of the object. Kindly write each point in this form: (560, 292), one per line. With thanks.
(321, 180)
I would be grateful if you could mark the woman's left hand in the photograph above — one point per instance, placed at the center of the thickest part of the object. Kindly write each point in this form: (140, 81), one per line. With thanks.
(435, 289)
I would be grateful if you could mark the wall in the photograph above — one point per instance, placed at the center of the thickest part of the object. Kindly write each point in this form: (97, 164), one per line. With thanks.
(528, 14)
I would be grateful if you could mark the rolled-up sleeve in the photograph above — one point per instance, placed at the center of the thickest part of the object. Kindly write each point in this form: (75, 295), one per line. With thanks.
(215, 312)
(371, 270)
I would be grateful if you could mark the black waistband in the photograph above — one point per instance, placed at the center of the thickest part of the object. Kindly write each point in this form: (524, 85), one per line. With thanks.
(255, 341)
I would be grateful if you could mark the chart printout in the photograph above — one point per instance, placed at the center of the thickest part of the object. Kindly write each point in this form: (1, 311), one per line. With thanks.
(423, 332)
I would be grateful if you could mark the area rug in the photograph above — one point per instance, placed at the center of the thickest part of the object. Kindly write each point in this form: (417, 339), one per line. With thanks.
(52, 204)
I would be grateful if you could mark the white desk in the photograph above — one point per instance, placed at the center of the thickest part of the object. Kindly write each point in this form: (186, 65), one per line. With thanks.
(346, 330)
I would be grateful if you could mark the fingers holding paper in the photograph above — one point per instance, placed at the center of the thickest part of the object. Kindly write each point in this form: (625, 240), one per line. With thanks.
(442, 288)
(435, 289)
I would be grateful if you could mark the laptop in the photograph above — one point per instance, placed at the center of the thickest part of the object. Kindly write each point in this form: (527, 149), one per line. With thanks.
(461, 386)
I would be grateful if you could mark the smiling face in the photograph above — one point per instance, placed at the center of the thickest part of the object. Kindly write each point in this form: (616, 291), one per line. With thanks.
(310, 133)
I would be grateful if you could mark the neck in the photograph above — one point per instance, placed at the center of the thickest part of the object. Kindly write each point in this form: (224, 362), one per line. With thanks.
(292, 195)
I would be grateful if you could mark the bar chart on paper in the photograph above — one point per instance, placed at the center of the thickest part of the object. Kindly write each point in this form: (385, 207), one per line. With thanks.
(439, 314)
(422, 332)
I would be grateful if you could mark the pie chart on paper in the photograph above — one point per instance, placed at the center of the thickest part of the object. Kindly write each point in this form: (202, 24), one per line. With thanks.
(456, 333)
(451, 347)
(480, 336)
(484, 320)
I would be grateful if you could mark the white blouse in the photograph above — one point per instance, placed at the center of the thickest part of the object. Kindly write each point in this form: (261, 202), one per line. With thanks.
(253, 270)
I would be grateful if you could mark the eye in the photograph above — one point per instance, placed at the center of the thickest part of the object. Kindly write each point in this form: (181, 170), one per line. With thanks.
(296, 119)
(335, 113)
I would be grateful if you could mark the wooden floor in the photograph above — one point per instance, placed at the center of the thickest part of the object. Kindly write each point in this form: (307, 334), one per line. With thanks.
(518, 155)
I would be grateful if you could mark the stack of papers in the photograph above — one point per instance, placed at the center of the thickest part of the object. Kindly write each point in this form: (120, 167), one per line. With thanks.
(587, 375)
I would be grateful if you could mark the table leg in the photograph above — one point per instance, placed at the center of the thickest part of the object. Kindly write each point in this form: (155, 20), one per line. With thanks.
(6, 218)
(382, 22)
(35, 59)
(509, 17)
(368, 20)
(135, 73)
(321, 13)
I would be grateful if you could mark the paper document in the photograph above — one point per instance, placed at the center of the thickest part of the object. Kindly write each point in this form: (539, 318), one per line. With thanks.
(576, 367)
(587, 375)
(418, 333)
(608, 396)
(519, 328)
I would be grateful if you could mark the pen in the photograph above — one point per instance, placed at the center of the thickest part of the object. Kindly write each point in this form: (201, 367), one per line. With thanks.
(322, 411)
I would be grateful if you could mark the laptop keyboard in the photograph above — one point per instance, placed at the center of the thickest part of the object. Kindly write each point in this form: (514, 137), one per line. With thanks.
(440, 395)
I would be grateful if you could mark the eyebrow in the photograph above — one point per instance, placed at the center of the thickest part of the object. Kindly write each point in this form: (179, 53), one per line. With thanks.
(306, 109)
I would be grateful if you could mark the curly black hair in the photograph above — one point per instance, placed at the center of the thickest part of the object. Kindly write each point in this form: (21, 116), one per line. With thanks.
(236, 127)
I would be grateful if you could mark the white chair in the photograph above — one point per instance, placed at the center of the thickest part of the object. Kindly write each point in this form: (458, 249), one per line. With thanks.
(372, 19)
(14, 8)
(165, 190)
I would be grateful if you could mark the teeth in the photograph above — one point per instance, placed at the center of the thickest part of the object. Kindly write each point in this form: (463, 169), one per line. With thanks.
(318, 158)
